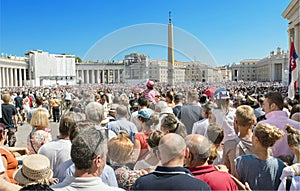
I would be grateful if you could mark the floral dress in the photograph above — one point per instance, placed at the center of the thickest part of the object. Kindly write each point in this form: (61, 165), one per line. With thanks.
(36, 139)
(125, 176)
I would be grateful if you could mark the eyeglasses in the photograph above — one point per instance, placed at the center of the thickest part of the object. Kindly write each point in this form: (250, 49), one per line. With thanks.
(101, 139)
(174, 130)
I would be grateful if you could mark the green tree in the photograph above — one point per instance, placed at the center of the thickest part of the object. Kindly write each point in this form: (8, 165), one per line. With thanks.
(79, 59)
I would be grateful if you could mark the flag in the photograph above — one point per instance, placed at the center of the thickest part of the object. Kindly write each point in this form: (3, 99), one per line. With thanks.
(293, 72)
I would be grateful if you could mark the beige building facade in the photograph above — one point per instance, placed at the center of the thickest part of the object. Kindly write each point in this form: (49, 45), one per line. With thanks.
(158, 71)
(245, 70)
(225, 73)
(273, 68)
(292, 14)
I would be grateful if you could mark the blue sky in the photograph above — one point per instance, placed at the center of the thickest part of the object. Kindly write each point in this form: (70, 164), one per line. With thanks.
(231, 30)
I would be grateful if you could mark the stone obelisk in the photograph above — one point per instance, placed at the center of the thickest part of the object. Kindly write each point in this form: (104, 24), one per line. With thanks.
(171, 75)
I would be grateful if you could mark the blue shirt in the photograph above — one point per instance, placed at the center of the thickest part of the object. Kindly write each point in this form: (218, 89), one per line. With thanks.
(260, 174)
(122, 124)
(68, 169)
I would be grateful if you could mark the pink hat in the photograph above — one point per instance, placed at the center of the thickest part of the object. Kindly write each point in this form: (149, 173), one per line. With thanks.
(150, 84)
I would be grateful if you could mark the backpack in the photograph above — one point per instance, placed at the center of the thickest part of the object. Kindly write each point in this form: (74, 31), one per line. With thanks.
(241, 146)
(288, 183)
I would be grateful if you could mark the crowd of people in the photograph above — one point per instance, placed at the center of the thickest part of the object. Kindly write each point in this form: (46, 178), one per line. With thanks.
(226, 136)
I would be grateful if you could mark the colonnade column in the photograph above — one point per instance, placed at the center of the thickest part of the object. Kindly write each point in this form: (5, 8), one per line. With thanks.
(7, 78)
(25, 77)
(98, 76)
(93, 76)
(77, 76)
(103, 76)
(1, 77)
(296, 38)
(16, 77)
(11, 77)
(20, 77)
(89, 76)
(113, 76)
(82, 77)
(108, 75)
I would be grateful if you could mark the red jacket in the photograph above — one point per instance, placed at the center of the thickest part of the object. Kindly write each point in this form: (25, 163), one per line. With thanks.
(217, 180)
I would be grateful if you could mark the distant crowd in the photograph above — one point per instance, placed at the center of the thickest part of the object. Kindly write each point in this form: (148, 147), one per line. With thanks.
(196, 136)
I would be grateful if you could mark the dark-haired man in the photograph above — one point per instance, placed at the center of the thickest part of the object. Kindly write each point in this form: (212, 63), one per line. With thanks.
(88, 152)
(39, 105)
(9, 119)
(272, 106)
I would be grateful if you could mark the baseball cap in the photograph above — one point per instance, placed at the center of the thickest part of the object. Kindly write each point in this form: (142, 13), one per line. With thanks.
(221, 93)
(144, 113)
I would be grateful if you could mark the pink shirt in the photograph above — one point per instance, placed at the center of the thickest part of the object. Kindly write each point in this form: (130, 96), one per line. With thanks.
(280, 120)
(150, 95)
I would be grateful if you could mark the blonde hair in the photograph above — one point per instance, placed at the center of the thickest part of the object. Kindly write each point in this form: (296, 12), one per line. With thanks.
(123, 133)
(245, 115)
(40, 118)
(213, 154)
(120, 149)
(267, 134)
(6, 97)
(293, 136)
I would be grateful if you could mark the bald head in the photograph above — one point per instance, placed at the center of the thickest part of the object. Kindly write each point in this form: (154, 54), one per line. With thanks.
(199, 147)
(171, 147)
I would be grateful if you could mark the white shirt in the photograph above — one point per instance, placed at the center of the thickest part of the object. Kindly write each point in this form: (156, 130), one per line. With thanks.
(2, 169)
(200, 127)
(68, 96)
(226, 121)
(57, 151)
(83, 184)
(111, 134)
(290, 171)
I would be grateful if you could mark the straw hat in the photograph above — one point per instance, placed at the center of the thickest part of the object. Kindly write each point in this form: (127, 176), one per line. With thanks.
(35, 169)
